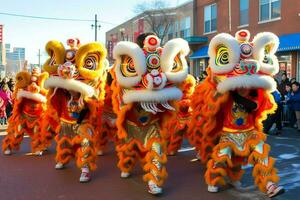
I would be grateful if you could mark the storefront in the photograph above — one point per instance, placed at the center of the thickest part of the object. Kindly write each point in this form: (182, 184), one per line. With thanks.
(288, 55)
(199, 61)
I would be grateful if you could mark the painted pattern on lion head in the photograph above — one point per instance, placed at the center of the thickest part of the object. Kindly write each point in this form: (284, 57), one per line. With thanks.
(236, 62)
(78, 68)
(150, 76)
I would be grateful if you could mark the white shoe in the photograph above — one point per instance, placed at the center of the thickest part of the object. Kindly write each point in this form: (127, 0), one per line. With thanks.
(85, 175)
(125, 174)
(7, 152)
(59, 166)
(153, 188)
(38, 153)
(274, 190)
(212, 188)
(100, 153)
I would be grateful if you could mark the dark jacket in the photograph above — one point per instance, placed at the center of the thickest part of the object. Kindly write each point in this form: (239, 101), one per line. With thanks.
(294, 101)
(282, 87)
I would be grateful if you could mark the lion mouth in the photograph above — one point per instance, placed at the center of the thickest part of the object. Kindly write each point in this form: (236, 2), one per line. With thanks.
(71, 85)
(155, 108)
(247, 82)
(153, 101)
(30, 95)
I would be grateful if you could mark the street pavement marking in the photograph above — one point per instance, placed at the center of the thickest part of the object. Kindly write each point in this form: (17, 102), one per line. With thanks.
(186, 149)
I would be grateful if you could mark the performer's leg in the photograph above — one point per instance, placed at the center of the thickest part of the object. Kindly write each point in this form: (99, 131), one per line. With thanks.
(175, 142)
(128, 154)
(36, 140)
(218, 167)
(264, 173)
(13, 139)
(101, 139)
(155, 169)
(85, 153)
(64, 151)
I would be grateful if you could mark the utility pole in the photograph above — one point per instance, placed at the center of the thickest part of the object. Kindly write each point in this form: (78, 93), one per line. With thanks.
(96, 26)
(39, 55)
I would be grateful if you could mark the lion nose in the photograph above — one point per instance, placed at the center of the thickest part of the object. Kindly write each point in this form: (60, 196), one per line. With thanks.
(154, 80)
(67, 70)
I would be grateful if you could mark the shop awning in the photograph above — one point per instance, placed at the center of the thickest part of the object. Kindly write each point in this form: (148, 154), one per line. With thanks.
(289, 42)
(200, 53)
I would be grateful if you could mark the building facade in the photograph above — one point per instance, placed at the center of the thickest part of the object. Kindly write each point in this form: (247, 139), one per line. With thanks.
(2, 52)
(15, 59)
(180, 25)
(281, 17)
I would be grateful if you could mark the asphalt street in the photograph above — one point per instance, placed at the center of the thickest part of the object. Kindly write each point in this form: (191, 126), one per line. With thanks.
(27, 177)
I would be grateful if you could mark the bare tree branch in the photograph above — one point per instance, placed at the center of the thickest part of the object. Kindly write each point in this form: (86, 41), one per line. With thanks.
(157, 15)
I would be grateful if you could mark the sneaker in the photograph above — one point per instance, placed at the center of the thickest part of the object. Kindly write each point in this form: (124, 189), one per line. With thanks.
(7, 152)
(274, 190)
(100, 153)
(125, 174)
(85, 175)
(153, 188)
(212, 189)
(38, 153)
(59, 166)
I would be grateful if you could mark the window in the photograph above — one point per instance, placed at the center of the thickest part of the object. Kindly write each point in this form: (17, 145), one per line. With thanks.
(176, 28)
(269, 9)
(244, 12)
(185, 27)
(210, 18)
(171, 31)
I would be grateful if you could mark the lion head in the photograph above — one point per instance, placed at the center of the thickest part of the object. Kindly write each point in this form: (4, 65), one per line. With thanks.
(237, 63)
(150, 76)
(30, 85)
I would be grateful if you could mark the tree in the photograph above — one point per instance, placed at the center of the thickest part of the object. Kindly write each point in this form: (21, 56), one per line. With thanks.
(158, 16)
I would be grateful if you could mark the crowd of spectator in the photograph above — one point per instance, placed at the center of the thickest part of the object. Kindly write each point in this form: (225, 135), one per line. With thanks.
(287, 97)
(6, 90)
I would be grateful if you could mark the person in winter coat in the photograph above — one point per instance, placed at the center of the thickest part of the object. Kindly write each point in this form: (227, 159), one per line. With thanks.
(275, 117)
(294, 101)
(283, 83)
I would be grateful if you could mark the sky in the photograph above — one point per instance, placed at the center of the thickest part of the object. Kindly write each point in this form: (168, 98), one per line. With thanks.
(33, 34)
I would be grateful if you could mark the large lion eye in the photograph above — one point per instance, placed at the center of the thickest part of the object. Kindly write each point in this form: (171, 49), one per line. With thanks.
(91, 62)
(127, 67)
(177, 64)
(222, 56)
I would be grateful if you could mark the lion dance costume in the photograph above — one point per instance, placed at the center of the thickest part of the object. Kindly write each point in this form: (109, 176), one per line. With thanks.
(145, 86)
(107, 130)
(76, 93)
(28, 111)
(178, 124)
(230, 105)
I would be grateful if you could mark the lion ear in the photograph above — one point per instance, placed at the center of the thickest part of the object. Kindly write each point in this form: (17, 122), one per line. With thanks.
(22, 79)
(42, 78)
(56, 52)
(90, 60)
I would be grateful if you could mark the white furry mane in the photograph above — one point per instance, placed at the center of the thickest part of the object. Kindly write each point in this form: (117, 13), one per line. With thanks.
(33, 96)
(69, 84)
